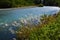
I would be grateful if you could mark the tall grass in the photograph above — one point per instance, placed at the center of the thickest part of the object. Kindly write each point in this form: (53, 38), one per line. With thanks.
(48, 29)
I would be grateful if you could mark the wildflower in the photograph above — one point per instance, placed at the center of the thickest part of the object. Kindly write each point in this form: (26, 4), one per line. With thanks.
(22, 21)
(6, 25)
(3, 26)
(14, 38)
(15, 22)
(11, 30)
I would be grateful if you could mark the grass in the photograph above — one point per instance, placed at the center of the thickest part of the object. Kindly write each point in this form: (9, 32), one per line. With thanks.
(48, 29)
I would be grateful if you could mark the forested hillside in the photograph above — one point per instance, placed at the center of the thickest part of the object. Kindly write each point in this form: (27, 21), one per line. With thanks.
(19, 3)
(52, 2)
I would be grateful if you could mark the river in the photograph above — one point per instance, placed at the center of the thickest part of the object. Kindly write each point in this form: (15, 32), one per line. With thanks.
(8, 18)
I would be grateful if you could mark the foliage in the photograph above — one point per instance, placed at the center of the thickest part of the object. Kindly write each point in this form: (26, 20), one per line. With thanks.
(19, 3)
(48, 29)
(15, 3)
(52, 2)
(40, 5)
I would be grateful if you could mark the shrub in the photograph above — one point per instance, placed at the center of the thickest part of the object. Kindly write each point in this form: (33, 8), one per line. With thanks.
(40, 5)
(43, 31)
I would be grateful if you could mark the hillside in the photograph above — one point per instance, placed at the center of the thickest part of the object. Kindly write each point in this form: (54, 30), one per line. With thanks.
(22, 3)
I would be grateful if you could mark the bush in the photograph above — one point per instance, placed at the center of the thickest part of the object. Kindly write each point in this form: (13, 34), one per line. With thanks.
(49, 29)
(40, 5)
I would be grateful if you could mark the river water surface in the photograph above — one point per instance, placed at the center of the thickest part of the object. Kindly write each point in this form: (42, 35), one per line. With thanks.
(11, 15)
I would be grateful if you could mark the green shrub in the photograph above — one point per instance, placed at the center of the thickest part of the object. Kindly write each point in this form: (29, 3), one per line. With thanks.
(40, 5)
(49, 29)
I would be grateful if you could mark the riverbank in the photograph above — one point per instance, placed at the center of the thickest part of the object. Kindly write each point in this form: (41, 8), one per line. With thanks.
(18, 8)
(48, 29)
(25, 7)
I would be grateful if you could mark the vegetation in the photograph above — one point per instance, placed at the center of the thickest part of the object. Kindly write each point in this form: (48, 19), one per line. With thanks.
(52, 2)
(40, 5)
(15, 3)
(19, 3)
(48, 29)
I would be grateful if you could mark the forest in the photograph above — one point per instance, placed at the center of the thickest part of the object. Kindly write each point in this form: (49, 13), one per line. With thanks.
(20, 3)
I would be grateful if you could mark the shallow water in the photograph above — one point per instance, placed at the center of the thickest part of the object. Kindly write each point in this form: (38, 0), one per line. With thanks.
(16, 14)
(12, 15)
